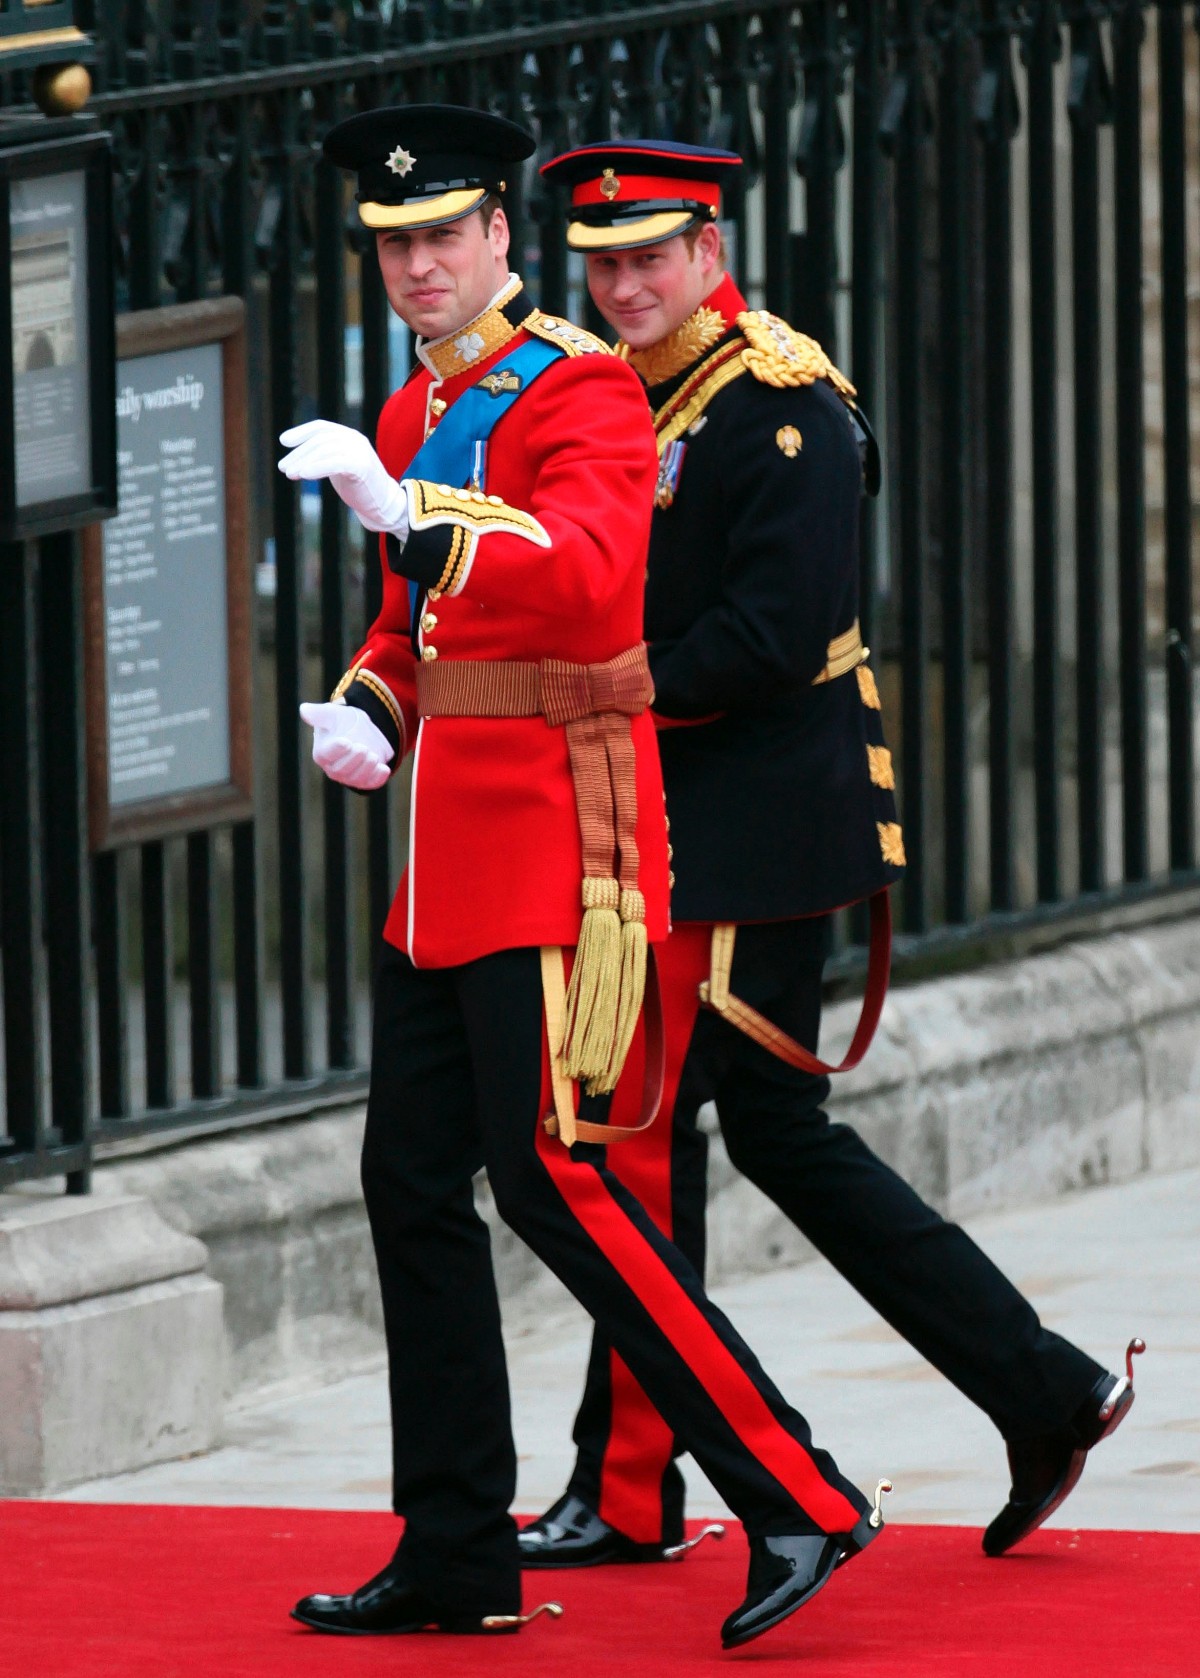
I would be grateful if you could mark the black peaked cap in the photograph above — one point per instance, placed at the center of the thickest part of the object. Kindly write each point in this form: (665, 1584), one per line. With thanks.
(422, 165)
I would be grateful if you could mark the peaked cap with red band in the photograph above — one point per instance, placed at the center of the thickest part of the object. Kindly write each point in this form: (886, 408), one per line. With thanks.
(626, 193)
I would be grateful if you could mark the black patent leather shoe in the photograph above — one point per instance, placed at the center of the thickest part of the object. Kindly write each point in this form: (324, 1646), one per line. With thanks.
(1045, 1470)
(388, 1606)
(787, 1570)
(570, 1534)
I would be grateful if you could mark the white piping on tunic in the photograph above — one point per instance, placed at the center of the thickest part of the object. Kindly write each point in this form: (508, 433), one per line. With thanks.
(412, 841)
(457, 590)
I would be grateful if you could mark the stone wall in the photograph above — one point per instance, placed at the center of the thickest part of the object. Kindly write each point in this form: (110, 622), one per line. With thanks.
(993, 1088)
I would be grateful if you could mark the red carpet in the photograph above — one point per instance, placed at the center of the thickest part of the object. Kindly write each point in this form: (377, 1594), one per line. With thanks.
(99, 1591)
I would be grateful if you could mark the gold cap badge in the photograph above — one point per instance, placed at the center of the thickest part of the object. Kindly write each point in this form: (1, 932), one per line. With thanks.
(610, 185)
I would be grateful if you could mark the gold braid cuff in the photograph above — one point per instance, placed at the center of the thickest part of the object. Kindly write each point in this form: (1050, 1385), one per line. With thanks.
(482, 515)
(384, 694)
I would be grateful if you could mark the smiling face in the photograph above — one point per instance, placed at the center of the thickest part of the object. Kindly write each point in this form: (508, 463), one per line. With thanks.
(647, 293)
(439, 278)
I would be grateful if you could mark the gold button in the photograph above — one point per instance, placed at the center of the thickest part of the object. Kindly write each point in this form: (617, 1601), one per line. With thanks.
(428, 622)
(429, 654)
(670, 879)
(437, 407)
(666, 819)
(670, 852)
(495, 501)
(477, 495)
(462, 495)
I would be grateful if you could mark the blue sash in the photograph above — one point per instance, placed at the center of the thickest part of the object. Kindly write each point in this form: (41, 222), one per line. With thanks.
(447, 455)
(456, 450)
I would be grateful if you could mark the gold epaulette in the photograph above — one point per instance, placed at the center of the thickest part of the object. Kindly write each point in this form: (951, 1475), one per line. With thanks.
(482, 515)
(778, 355)
(575, 340)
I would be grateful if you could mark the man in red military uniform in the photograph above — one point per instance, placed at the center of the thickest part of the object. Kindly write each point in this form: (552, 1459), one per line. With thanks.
(512, 490)
(780, 793)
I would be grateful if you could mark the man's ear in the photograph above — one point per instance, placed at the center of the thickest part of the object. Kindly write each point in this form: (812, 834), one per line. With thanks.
(708, 246)
(499, 232)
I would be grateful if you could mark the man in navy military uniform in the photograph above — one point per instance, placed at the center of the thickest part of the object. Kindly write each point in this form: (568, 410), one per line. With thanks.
(780, 794)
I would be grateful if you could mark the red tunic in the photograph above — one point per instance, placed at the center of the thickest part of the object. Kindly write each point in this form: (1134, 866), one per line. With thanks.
(494, 857)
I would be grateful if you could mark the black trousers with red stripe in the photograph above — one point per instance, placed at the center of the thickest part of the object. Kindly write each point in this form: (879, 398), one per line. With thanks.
(924, 1275)
(460, 1080)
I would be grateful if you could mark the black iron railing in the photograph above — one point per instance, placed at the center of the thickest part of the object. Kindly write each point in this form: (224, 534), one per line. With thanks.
(979, 208)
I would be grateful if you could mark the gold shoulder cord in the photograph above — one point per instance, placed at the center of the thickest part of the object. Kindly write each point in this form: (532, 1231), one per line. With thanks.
(771, 351)
(778, 355)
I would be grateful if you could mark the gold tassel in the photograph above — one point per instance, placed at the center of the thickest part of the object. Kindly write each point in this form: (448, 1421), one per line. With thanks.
(633, 978)
(594, 990)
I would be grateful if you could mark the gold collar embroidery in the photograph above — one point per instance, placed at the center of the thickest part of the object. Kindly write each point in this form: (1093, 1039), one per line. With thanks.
(660, 362)
(467, 345)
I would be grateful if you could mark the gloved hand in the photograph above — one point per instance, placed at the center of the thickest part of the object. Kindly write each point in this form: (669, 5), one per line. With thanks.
(348, 746)
(321, 449)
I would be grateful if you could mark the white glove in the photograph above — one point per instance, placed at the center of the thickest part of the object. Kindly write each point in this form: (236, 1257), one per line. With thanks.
(321, 449)
(348, 746)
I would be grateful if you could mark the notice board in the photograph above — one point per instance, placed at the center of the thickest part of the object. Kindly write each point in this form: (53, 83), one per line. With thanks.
(168, 585)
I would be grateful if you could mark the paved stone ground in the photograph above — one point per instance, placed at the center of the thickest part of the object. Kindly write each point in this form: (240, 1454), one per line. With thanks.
(1101, 1266)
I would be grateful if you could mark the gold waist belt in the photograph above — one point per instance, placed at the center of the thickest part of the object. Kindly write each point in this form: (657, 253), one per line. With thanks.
(593, 705)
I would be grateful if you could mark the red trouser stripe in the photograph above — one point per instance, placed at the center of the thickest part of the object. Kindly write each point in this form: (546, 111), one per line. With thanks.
(639, 1443)
(682, 1323)
(636, 1455)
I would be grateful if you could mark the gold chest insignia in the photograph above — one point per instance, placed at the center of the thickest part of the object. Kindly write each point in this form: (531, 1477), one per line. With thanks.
(496, 384)
(789, 440)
